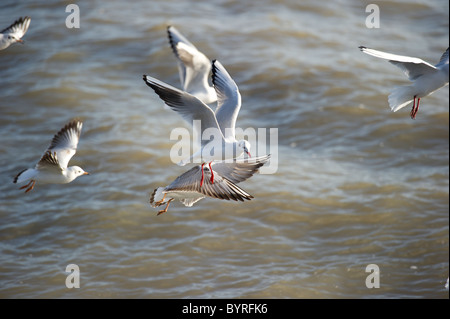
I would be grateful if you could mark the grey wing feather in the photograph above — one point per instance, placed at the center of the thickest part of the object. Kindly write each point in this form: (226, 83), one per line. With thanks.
(49, 161)
(187, 105)
(19, 27)
(443, 60)
(228, 99)
(174, 38)
(221, 187)
(64, 143)
(193, 65)
(240, 170)
(413, 70)
(412, 67)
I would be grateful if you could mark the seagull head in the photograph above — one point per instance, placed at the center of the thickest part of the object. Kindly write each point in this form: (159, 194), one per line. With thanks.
(13, 39)
(245, 145)
(75, 171)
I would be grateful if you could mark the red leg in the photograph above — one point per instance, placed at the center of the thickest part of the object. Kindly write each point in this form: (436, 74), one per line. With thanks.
(212, 173)
(31, 187)
(25, 186)
(201, 182)
(161, 202)
(165, 209)
(415, 108)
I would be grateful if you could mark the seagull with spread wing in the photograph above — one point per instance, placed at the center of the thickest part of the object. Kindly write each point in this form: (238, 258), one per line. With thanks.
(14, 32)
(426, 78)
(188, 187)
(52, 167)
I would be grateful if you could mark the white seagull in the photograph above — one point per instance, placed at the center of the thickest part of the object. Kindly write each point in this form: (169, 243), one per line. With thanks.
(194, 67)
(52, 167)
(426, 78)
(189, 190)
(220, 125)
(14, 32)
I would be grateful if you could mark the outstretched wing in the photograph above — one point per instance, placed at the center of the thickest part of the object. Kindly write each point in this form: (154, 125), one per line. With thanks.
(443, 60)
(65, 142)
(49, 161)
(239, 170)
(228, 99)
(220, 188)
(18, 28)
(412, 67)
(185, 104)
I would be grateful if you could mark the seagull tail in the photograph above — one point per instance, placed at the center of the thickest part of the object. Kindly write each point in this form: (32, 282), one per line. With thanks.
(400, 97)
(24, 175)
(157, 195)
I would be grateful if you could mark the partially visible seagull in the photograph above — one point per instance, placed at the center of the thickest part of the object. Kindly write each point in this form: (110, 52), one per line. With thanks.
(426, 78)
(52, 167)
(194, 67)
(189, 190)
(14, 32)
(221, 123)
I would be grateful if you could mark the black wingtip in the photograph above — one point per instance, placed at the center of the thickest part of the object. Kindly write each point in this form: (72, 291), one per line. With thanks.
(152, 197)
(362, 47)
(147, 81)
(214, 71)
(172, 43)
(17, 176)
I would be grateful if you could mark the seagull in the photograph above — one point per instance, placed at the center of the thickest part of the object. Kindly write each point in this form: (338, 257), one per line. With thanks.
(188, 190)
(14, 32)
(221, 123)
(426, 78)
(52, 167)
(194, 67)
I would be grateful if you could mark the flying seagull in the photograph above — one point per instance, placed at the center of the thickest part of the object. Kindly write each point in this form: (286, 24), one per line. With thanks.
(52, 167)
(188, 187)
(14, 32)
(426, 78)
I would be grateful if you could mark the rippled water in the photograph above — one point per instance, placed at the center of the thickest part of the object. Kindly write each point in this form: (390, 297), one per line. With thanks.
(356, 184)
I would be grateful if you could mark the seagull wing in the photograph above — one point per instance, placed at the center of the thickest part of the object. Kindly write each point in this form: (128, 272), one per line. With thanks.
(18, 28)
(412, 67)
(185, 104)
(193, 65)
(49, 161)
(228, 99)
(64, 143)
(221, 188)
(443, 60)
(239, 170)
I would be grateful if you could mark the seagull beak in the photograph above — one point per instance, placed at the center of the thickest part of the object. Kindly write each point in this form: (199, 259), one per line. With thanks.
(86, 173)
(247, 152)
(20, 40)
